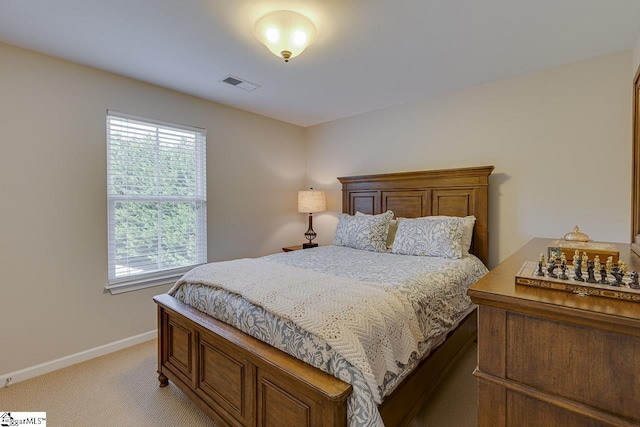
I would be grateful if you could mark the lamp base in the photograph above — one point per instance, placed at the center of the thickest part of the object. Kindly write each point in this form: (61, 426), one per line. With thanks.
(309, 245)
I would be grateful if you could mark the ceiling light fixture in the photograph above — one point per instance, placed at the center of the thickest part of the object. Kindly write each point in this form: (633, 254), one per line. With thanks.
(285, 33)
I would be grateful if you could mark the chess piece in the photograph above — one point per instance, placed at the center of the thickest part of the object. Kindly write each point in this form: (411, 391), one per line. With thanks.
(585, 260)
(552, 266)
(634, 280)
(576, 257)
(623, 267)
(617, 274)
(577, 265)
(596, 263)
(590, 269)
(539, 271)
(603, 276)
(563, 271)
(542, 260)
(609, 264)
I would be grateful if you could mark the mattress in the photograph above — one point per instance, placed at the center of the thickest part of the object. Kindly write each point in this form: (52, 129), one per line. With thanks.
(288, 299)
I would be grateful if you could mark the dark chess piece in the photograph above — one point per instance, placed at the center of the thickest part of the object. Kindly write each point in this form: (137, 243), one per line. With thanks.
(590, 273)
(603, 276)
(618, 274)
(539, 271)
(577, 264)
(552, 266)
(563, 271)
(634, 280)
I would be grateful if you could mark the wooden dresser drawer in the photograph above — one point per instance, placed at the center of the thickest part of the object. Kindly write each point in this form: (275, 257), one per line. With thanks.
(587, 365)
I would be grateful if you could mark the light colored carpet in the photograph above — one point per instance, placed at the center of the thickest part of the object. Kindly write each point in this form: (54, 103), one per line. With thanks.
(455, 402)
(121, 389)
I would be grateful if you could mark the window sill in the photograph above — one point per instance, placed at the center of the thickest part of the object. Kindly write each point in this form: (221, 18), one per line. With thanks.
(120, 286)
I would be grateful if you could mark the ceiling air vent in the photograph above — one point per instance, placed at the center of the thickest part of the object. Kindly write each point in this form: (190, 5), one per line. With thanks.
(241, 83)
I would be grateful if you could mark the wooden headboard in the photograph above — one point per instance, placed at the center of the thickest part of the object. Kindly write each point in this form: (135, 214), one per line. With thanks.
(453, 192)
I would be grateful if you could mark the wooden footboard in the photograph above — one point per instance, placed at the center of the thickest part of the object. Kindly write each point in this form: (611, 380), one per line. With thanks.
(238, 380)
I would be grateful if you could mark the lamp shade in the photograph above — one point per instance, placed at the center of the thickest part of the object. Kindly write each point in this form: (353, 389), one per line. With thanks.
(285, 33)
(311, 201)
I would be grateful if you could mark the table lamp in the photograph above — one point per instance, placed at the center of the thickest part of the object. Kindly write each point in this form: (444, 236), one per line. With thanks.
(310, 201)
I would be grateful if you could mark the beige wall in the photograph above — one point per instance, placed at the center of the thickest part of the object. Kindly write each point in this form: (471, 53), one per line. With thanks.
(53, 244)
(560, 140)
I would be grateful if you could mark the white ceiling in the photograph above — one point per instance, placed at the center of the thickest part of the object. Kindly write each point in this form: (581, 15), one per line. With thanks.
(369, 54)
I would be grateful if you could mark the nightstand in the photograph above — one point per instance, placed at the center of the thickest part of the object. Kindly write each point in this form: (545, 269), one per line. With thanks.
(292, 248)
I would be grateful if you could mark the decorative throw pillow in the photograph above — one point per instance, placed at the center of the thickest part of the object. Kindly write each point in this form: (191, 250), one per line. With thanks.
(467, 231)
(368, 232)
(393, 227)
(429, 236)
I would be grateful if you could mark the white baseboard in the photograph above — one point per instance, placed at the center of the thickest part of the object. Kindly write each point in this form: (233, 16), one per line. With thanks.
(44, 368)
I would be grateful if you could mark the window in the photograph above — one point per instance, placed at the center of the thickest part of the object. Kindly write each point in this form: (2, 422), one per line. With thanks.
(156, 190)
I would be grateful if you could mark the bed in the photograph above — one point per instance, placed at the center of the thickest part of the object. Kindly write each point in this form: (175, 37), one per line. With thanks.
(242, 381)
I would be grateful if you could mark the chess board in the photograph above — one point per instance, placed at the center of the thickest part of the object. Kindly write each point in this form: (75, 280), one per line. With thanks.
(527, 276)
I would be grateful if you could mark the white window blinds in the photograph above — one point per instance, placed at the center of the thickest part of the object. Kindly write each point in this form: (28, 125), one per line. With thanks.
(156, 189)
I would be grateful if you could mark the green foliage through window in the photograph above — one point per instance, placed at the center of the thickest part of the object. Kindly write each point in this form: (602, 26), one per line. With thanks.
(157, 196)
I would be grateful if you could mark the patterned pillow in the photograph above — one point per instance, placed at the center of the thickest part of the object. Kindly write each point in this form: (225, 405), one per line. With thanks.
(467, 231)
(368, 232)
(393, 227)
(429, 236)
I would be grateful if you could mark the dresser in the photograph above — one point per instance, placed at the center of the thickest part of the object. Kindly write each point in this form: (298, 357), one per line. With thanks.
(552, 358)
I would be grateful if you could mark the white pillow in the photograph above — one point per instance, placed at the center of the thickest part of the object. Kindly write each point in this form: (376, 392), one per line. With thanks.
(467, 233)
(391, 233)
(368, 232)
(429, 236)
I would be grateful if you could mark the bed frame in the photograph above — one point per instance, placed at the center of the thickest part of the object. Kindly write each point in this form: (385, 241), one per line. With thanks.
(238, 380)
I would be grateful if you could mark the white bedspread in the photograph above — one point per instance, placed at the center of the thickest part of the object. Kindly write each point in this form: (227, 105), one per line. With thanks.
(372, 325)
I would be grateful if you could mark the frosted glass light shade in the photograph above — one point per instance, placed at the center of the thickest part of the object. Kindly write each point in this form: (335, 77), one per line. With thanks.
(311, 201)
(285, 33)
